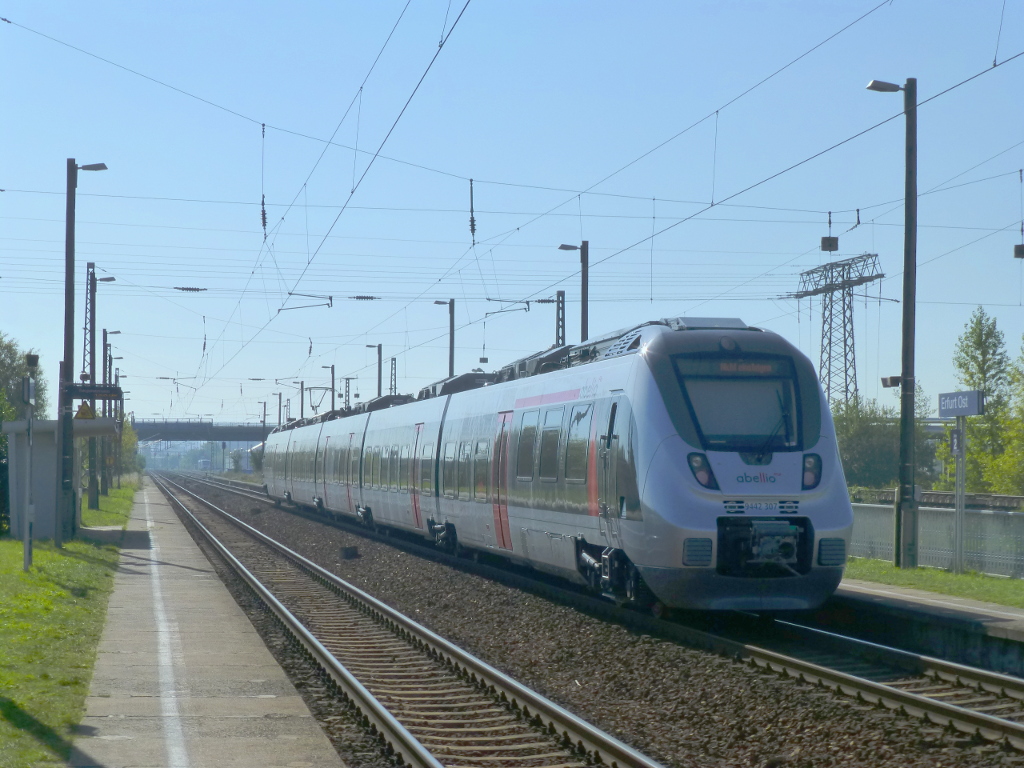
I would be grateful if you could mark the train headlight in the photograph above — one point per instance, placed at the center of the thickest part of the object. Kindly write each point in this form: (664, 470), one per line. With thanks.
(702, 470)
(812, 471)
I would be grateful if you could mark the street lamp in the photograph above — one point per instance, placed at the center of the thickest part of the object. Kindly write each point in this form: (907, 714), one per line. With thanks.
(90, 325)
(584, 249)
(906, 519)
(451, 335)
(65, 492)
(332, 383)
(380, 365)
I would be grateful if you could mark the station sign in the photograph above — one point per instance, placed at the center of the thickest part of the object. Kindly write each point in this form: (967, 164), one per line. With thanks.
(969, 403)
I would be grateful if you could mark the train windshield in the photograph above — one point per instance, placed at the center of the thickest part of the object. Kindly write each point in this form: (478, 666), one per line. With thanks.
(747, 404)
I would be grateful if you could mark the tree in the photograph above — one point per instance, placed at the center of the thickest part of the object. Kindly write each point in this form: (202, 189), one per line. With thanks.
(12, 371)
(256, 458)
(129, 450)
(1004, 473)
(868, 435)
(981, 362)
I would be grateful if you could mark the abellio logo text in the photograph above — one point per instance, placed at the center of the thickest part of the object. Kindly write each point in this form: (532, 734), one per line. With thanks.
(760, 477)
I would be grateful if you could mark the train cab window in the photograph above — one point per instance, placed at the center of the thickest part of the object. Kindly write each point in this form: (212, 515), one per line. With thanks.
(403, 469)
(578, 442)
(427, 469)
(747, 403)
(549, 437)
(449, 482)
(465, 470)
(481, 470)
(527, 445)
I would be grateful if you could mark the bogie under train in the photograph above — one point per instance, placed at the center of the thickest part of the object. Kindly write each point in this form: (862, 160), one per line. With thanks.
(688, 463)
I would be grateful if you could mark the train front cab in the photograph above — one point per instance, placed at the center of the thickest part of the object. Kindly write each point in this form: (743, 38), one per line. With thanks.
(744, 501)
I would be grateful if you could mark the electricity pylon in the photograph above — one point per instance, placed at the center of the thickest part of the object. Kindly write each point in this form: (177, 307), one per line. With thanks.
(835, 282)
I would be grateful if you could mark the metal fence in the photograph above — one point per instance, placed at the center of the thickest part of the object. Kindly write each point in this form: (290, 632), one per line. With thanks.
(993, 540)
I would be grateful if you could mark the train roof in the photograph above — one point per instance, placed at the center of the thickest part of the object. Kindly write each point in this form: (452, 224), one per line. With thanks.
(615, 344)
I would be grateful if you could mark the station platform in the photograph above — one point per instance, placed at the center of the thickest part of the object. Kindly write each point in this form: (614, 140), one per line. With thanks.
(1002, 621)
(954, 628)
(182, 679)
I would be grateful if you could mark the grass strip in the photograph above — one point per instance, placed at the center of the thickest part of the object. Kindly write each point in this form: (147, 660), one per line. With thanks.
(976, 586)
(50, 624)
(115, 508)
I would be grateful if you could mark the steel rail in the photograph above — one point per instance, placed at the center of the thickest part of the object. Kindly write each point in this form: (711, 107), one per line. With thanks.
(400, 743)
(965, 720)
(599, 746)
(941, 669)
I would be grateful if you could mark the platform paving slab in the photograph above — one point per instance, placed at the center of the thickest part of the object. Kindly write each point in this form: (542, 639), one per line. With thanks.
(182, 679)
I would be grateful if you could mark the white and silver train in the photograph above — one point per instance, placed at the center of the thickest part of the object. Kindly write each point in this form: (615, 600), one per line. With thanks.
(686, 463)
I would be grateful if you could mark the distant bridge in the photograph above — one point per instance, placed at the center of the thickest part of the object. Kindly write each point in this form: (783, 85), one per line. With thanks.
(198, 431)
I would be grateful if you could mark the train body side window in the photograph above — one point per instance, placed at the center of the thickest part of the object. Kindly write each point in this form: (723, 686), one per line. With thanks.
(527, 445)
(376, 466)
(465, 470)
(427, 469)
(393, 468)
(368, 467)
(353, 473)
(449, 482)
(578, 442)
(481, 470)
(549, 443)
(403, 468)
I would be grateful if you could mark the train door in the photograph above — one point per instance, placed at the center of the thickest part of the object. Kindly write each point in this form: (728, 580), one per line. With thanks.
(499, 476)
(414, 485)
(608, 500)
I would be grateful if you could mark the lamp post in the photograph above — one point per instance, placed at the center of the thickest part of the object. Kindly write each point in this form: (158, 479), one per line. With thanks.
(380, 364)
(332, 383)
(451, 335)
(66, 450)
(107, 408)
(29, 517)
(906, 518)
(584, 249)
(90, 325)
(278, 407)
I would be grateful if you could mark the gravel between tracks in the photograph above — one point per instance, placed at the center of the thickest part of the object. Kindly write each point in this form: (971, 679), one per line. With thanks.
(681, 706)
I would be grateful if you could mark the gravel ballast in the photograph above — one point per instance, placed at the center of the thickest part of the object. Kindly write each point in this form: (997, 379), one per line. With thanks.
(681, 706)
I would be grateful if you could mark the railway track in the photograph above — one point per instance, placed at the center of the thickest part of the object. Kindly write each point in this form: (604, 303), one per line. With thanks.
(969, 699)
(431, 703)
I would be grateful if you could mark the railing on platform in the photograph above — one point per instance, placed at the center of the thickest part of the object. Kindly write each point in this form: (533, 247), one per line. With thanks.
(993, 539)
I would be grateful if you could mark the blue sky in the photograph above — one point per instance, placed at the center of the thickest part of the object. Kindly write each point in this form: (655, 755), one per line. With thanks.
(541, 104)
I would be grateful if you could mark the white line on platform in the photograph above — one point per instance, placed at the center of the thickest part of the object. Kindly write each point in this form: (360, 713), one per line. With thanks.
(167, 640)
